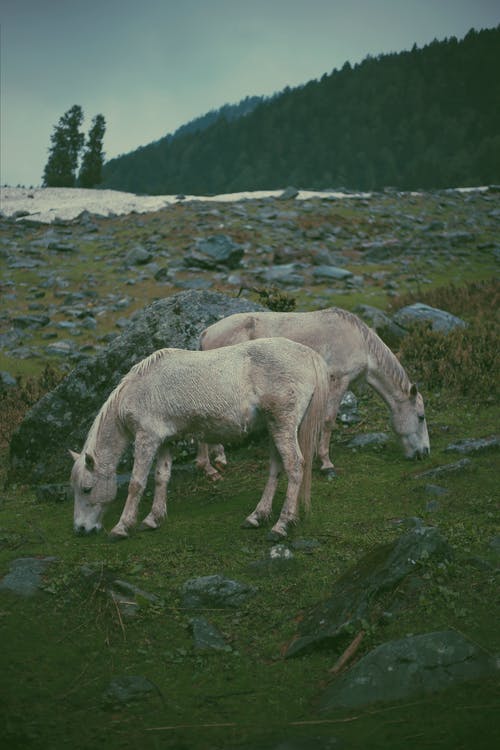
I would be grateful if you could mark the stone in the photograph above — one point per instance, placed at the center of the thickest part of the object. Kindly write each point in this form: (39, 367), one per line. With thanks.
(138, 256)
(25, 575)
(331, 273)
(354, 595)
(288, 194)
(348, 409)
(214, 252)
(369, 439)
(407, 668)
(439, 320)
(7, 380)
(471, 445)
(464, 463)
(206, 636)
(62, 418)
(215, 591)
(124, 689)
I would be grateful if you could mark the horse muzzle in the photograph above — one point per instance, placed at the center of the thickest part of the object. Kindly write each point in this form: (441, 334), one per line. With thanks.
(82, 530)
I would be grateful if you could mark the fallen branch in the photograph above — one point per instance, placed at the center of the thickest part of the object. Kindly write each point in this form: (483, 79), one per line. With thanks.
(348, 654)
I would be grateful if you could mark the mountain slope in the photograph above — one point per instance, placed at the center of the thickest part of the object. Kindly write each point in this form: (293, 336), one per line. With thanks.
(427, 118)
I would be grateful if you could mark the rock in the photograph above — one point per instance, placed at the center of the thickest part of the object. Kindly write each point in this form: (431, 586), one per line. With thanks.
(130, 598)
(138, 256)
(440, 320)
(348, 409)
(288, 194)
(464, 463)
(54, 493)
(25, 575)
(386, 328)
(62, 418)
(30, 321)
(124, 689)
(470, 445)
(354, 595)
(283, 274)
(407, 668)
(206, 636)
(215, 591)
(331, 273)
(7, 380)
(215, 252)
(369, 439)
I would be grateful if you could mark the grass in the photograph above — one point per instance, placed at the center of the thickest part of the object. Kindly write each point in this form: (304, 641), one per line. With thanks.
(62, 648)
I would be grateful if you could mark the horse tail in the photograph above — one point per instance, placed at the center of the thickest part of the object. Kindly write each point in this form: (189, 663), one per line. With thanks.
(312, 424)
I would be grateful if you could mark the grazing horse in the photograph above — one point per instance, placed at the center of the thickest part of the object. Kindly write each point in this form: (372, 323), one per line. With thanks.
(351, 349)
(215, 395)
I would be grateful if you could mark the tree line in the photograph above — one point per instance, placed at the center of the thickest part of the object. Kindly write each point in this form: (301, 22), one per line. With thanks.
(425, 118)
(72, 159)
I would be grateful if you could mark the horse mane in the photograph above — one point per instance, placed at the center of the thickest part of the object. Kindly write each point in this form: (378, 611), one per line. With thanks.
(387, 361)
(139, 370)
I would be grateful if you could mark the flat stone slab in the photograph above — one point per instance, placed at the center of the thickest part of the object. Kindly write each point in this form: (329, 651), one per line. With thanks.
(473, 445)
(25, 575)
(354, 595)
(464, 463)
(215, 592)
(406, 668)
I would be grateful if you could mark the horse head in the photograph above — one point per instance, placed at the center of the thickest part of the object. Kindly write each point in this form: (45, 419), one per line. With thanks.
(93, 490)
(408, 419)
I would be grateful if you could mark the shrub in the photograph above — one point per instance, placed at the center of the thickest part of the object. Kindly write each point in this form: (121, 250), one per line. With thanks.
(465, 361)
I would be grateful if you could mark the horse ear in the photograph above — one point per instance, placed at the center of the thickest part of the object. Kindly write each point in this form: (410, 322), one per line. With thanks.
(89, 461)
(73, 455)
(413, 391)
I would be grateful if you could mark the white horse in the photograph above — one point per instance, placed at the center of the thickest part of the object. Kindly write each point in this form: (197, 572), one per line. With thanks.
(215, 395)
(351, 349)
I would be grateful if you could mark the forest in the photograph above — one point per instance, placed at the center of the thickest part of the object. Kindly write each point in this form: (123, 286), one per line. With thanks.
(428, 118)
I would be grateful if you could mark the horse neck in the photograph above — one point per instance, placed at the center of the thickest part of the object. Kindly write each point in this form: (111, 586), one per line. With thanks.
(385, 373)
(106, 439)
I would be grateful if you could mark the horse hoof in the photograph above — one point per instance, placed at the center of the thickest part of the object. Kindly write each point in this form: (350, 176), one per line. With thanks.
(329, 473)
(250, 523)
(214, 477)
(276, 536)
(117, 535)
(147, 526)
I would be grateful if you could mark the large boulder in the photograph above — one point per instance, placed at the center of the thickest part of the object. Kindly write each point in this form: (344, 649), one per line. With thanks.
(439, 320)
(62, 418)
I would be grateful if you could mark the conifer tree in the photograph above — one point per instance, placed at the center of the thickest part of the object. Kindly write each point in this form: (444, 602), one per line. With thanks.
(93, 157)
(67, 142)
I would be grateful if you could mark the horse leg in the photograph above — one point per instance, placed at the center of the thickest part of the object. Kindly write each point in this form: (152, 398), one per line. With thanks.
(219, 455)
(293, 464)
(203, 463)
(146, 446)
(265, 504)
(337, 390)
(162, 477)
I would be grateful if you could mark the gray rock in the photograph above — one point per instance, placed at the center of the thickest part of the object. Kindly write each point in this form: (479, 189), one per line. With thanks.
(30, 321)
(124, 689)
(62, 418)
(332, 273)
(407, 668)
(215, 591)
(348, 409)
(25, 575)
(284, 274)
(138, 256)
(288, 194)
(368, 439)
(377, 319)
(7, 380)
(215, 252)
(471, 445)
(464, 463)
(354, 595)
(130, 598)
(206, 636)
(440, 320)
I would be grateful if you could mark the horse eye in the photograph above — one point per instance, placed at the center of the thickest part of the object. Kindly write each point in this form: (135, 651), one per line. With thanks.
(86, 490)
(421, 417)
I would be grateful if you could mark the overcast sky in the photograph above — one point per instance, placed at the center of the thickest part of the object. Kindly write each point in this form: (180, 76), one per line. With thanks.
(150, 66)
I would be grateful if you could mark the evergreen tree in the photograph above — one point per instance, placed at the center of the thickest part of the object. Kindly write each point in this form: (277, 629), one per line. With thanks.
(93, 157)
(67, 142)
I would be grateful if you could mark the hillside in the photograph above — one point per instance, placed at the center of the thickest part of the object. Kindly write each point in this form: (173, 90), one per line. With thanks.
(428, 118)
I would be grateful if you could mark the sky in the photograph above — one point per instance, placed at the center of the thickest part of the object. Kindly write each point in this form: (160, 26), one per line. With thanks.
(150, 66)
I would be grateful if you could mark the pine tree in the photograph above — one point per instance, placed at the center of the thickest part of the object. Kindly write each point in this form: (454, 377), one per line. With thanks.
(93, 157)
(67, 142)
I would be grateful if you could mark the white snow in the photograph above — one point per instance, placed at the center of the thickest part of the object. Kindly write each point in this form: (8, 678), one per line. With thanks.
(47, 204)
